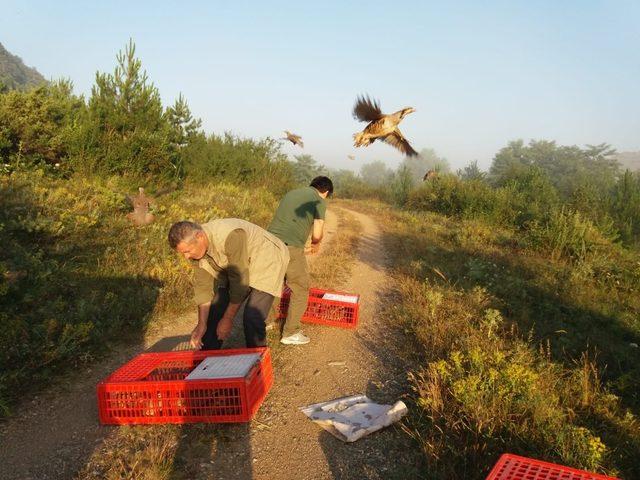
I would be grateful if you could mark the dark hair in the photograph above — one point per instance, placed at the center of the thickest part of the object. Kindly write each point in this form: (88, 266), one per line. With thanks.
(322, 184)
(180, 231)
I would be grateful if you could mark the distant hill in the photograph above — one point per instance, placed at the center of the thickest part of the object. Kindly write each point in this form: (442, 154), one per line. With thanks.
(15, 74)
(630, 160)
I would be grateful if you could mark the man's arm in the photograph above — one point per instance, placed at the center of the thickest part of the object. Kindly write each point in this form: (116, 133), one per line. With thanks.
(235, 248)
(317, 233)
(203, 283)
(201, 326)
(318, 230)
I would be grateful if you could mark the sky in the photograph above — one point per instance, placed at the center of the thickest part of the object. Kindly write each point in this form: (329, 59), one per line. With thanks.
(479, 74)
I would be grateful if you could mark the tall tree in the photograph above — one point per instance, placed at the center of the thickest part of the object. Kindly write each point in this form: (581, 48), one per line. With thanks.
(471, 172)
(183, 126)
(128, 133)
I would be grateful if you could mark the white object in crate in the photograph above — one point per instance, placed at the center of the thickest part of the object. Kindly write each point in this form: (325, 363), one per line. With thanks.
(224, 366)
(336, 297)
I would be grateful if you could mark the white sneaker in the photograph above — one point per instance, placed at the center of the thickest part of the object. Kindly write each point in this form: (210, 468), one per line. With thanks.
(295, 339)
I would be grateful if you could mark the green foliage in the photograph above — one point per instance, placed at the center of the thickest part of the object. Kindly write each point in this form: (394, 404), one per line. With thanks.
(402, 185)
(534, 196)
(183, 129)
(568, 234)
(37, 126)
(126, 131)
(471, 172)
(492, 392)
(525, 195)
(242, 160)
(348, 185)
(584, 175)
(625, 206)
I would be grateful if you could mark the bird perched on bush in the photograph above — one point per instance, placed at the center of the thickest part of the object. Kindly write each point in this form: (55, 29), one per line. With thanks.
(429, 175)
(293, 138)
(381, 127)
(141, 203)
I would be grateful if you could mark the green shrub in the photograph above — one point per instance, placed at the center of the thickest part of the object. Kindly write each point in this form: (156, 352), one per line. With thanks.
(568, 234)
(463, 292)
(36, 126)
(241, 160)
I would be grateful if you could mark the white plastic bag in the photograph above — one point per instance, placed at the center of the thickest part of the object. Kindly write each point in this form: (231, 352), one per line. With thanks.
(351, 418)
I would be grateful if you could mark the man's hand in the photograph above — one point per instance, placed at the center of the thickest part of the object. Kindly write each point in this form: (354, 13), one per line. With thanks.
(312, 249)
(224, 328)
(196, 336)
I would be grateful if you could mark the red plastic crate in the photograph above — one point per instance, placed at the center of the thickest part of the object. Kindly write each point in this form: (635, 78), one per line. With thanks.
(513, 467)
(152, 388)
(324, 312)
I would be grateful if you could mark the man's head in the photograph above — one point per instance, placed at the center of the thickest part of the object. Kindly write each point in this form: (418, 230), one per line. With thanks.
(188, 239)
(324, 185)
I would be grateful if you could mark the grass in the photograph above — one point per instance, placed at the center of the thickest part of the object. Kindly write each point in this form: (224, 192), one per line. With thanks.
(515, 347)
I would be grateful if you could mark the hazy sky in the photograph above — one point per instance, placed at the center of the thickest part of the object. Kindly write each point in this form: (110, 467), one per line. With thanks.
(479, 73)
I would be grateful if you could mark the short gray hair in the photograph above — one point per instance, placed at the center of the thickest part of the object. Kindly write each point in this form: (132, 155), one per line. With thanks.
(182, 231)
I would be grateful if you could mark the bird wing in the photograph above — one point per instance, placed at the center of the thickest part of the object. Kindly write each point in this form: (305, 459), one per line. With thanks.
(367, 110)
(395, 139)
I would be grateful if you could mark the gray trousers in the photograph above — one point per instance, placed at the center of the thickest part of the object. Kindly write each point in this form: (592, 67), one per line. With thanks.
(297, 279)
(256, 308)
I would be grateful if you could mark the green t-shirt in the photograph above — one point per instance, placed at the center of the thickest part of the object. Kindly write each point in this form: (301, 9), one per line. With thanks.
(294, 217)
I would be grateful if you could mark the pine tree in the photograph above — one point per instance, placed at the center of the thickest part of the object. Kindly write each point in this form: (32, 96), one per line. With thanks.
(128, 132)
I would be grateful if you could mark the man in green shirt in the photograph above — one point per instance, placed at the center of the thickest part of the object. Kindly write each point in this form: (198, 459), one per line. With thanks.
(301, 212)
(234, 261)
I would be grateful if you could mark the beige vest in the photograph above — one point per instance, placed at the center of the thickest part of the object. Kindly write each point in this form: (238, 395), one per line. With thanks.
(268, 255)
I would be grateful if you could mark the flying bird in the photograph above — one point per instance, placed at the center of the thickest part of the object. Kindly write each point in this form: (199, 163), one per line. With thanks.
(293, 138)
(351, 157)
(381, 127)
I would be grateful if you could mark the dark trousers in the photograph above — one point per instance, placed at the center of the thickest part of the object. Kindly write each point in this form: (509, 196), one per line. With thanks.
(256, 308)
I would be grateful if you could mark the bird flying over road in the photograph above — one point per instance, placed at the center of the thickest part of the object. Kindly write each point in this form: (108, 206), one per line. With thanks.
(381, 127)
(293, 138)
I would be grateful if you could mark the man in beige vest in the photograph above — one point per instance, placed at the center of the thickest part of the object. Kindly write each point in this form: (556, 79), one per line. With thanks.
(234, 261)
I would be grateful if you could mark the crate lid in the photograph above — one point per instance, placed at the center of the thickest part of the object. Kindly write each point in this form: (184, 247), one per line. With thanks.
(338, 297)
(224, 366)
